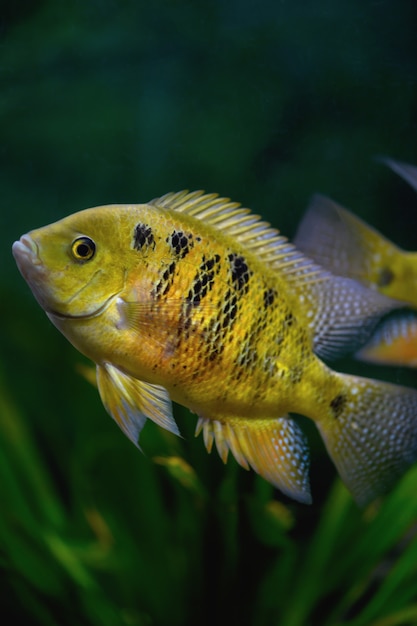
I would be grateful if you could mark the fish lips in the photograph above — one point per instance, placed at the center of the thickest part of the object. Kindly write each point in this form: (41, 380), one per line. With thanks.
(26, 254)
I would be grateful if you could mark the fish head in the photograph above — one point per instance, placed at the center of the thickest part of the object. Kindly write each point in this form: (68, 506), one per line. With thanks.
(75, 267)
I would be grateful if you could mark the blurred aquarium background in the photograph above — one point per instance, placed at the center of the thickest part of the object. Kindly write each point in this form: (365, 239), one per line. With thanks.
(266, 102)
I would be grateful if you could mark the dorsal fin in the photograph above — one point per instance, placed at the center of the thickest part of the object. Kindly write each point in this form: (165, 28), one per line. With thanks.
(249, 229)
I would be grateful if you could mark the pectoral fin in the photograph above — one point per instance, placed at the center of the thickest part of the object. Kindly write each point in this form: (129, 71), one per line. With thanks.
(131, 402)
(275, 448)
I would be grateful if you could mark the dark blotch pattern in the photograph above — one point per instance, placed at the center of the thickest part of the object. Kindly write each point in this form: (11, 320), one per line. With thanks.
(229, 310)
(385, 277)
(240, 272)
(143, 237)
(180, 242)
(203, 280)
(269, 297)
(164, 283)
(337, 405)
(218, 329)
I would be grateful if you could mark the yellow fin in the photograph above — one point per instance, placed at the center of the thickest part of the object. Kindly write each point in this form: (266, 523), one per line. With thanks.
(393, 343)
(131, 401)
(275, 448)
(370, 433)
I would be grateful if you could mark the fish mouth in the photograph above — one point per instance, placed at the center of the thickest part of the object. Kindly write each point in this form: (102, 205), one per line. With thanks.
(90, 314)
(83, 316)
(26, 250)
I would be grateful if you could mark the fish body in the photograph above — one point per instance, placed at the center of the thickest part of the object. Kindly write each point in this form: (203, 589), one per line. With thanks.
(348, 246)
(194, 299)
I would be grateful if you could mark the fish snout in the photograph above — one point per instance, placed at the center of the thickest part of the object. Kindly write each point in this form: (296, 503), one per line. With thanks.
(26, 254)
(25, 250)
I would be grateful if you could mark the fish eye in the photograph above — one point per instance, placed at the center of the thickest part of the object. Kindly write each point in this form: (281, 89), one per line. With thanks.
(83, 248)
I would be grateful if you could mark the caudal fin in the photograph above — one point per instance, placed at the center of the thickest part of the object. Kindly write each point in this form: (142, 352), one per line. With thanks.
(371, 435)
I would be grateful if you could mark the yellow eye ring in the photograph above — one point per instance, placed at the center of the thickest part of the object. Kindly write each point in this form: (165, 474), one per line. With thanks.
(83, 249)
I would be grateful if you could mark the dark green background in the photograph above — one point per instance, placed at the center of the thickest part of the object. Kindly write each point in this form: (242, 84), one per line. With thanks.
(265, 102)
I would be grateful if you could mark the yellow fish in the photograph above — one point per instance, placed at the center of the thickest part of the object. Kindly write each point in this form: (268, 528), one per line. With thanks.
(347, 246)
(194, 299)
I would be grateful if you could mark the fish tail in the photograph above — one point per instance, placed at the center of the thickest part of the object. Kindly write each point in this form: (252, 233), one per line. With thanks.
(370, 433)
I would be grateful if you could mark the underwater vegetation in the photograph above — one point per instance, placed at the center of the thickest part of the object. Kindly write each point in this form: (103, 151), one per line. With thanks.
(179, 548)
(105, 102)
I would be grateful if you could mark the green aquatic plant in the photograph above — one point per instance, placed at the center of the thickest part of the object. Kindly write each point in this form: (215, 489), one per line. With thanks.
(162, 538)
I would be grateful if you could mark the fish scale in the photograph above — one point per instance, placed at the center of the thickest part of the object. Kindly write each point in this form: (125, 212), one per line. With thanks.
(193, 299)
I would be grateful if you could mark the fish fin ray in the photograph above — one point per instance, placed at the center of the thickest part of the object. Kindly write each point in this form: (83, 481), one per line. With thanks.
(340, 241)
(131, 401)
(275, 448)
(137, 315)
(405, 170)
(372, 438)
(247, 228)
(393, 343)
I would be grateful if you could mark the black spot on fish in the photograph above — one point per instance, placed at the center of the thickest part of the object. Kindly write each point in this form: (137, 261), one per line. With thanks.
(180, 242)
(240, 272)
(169, 271)
(203, 280)
(269, 297)
(385, 277)
(229, 310)
(143, 237)
(337, 405)
(164, 283)
(217, 330)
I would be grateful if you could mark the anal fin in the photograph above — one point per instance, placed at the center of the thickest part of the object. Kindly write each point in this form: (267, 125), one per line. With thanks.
(275, 448)
(393, 343)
